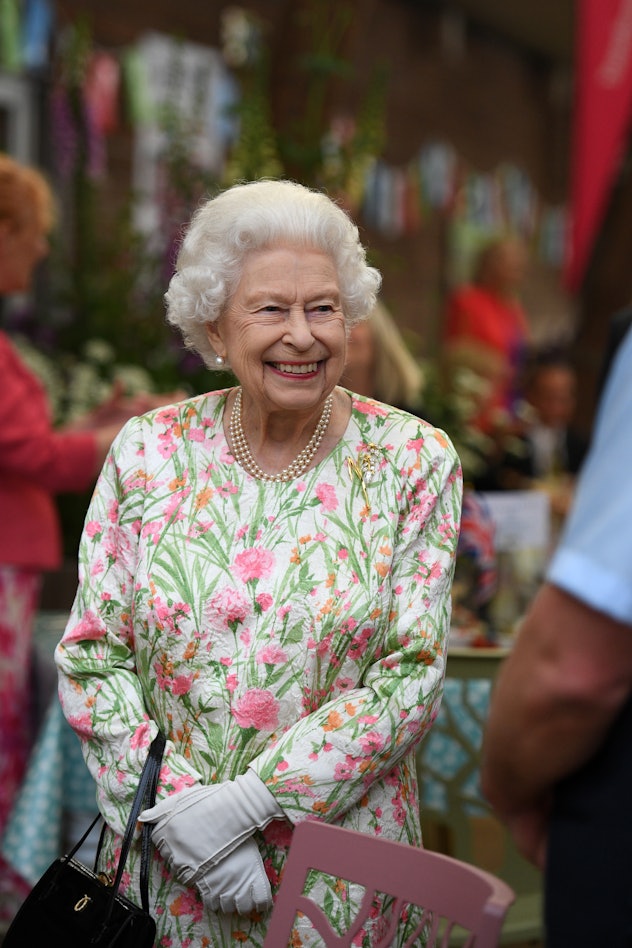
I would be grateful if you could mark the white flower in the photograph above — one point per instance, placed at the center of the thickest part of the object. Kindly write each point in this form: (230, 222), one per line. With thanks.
(85, 390)
(134, 378)
(99, 351)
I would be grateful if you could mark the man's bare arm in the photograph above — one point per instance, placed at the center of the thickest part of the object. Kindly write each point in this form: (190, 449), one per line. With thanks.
(558, 692)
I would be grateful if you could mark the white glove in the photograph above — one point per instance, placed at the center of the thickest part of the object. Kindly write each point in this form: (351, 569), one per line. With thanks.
(201, 825)
(238, 884)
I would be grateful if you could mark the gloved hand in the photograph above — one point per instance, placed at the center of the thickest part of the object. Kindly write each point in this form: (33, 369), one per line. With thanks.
(238, 884)
(201, 825)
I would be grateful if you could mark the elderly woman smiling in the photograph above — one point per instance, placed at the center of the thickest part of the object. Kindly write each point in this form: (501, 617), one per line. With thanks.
(264, 575)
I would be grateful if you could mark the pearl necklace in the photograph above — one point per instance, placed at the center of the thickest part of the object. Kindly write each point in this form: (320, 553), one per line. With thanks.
(243, 455)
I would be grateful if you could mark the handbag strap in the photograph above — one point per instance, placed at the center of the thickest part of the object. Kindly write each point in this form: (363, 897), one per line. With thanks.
(80, 843)
(145, 852)
(144, 798)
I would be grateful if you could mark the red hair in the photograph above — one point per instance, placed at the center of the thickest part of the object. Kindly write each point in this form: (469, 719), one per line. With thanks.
(25, 196)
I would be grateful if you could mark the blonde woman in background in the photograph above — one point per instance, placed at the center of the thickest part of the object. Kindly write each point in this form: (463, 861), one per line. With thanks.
(379, 363)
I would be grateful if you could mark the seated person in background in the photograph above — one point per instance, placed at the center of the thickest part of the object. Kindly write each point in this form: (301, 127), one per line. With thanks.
(545, 449)
(486, 328)
(379, 363)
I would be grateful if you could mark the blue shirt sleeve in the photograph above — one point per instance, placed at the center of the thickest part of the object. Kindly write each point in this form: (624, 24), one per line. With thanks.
(593, 560)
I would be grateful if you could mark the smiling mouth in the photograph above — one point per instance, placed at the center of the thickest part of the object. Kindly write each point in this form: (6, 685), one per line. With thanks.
(291, 368)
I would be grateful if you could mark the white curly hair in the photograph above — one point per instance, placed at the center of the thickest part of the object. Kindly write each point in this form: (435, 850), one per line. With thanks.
(254, 216)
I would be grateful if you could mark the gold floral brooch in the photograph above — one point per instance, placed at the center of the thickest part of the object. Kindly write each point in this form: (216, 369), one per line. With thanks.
(363, 467)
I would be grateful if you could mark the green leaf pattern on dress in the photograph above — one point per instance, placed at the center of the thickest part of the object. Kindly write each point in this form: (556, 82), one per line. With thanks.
(288, 627)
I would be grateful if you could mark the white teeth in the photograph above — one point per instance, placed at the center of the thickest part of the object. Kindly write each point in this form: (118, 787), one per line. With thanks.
(296, 369)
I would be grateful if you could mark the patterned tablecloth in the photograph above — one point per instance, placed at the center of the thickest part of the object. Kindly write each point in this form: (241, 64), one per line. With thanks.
(450, 751)
(448, 759)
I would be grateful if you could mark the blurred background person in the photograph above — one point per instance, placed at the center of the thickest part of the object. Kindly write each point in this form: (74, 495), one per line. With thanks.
(36, 462)
(379, 363)
(486, 328)
(545, 449)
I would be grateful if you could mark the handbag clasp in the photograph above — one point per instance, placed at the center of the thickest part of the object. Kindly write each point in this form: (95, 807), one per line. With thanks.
(81, 904)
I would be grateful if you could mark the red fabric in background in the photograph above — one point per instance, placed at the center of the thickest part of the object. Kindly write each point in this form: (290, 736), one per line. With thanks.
(603, 107)
(36, 462)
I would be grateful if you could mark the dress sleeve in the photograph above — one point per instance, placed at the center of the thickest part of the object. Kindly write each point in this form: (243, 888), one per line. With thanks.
(99, 689)
(326, 762)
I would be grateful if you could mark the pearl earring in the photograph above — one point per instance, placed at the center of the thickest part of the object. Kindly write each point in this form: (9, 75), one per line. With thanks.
(219, 360)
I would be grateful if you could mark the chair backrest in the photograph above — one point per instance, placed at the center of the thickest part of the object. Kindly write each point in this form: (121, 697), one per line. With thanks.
(450, 892)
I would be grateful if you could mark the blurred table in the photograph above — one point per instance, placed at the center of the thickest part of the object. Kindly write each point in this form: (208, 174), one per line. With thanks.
(456, 819)
(478, 663)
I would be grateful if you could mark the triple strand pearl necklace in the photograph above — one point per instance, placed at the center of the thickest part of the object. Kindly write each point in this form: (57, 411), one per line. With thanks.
(243, 455)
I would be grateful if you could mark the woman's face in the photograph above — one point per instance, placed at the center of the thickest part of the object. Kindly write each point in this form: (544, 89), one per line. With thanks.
(21, 249)
(552, 394)
(360, 364)
(506, 265)
(283, 330)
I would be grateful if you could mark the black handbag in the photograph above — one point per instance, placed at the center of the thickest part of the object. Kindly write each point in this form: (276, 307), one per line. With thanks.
(72, 906)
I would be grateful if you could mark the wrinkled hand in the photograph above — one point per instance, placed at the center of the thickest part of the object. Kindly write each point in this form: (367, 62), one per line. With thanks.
(199, 826)
(238, 884)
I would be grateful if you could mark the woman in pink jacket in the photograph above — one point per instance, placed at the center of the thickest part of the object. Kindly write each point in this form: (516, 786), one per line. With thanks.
(36, 462)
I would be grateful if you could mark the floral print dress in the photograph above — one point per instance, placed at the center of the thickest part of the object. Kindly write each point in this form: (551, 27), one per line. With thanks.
(298, 628)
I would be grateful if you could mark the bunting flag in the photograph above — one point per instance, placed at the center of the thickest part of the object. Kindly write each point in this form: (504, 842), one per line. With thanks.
(37, 28)
(603, 108)
(140, 110)
(161, 76)
(399, 201)
(10, 46)
(101, 91)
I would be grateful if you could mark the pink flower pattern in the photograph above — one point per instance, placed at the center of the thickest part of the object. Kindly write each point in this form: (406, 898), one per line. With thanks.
(272, 655)
(254, 563)
(228, 607)
(276, 626)
(326, 494)
(257, 708)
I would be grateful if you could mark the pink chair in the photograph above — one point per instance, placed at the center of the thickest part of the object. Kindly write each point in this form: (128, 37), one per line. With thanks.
(457, 898)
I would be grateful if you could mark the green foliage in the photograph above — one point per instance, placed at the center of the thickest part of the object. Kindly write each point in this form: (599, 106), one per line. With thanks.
(107, 280)
(452, 408)
(317, 146)
(105, 318)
